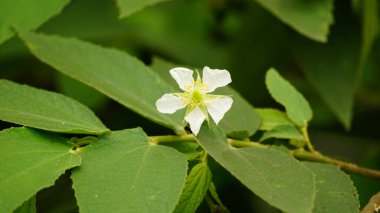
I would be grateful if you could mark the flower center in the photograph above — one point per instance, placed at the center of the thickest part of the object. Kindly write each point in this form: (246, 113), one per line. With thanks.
(196, 97)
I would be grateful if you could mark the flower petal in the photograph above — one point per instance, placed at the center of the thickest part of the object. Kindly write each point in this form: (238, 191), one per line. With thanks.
(184, 78)
(218, 106)
(195, 118)
(215, 78)
(170, 103)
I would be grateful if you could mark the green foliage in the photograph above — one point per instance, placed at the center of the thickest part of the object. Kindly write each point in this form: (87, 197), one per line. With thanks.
(283, 92)
(312, 19)
(31, 160)
(335, 190)
(129, 171)
(258, 169)
(124, 171)
(26, 14)
(196, 186)
(41, 109)
(127, 7)
(112, 72)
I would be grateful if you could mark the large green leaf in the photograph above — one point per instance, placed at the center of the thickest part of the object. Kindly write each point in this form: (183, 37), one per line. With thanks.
(123, 171)
(310, 18)
(197, 183)
(41, 109)
(26, 14)
(334, 74)
(272, 175)
(30, 161)
(335, 190)
(112, 72)
(297, 108)
(127, 7)
(240, 121)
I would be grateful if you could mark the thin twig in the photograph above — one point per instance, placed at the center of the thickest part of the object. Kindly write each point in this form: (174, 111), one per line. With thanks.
(346, 166)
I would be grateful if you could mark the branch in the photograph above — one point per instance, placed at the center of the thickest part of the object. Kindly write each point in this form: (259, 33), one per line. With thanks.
(299, 154)
(346, 166)
(373, 204)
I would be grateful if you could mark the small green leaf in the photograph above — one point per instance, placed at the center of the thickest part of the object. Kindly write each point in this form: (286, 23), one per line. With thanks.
(28, 206)
(112, 72)
(309, 18)
(46, 110)
(274, 176)
(271, 118)
(241, 120)
(128, 7)
(283, 132)
(297, 108)
(26, 14)
(197, 183)
(30, 161)
(124, 172)
(335, 190)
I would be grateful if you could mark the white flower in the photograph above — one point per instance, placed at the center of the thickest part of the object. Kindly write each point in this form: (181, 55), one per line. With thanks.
(199, 103)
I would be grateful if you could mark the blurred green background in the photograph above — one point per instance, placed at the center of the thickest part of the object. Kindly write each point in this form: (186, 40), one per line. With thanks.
(241, 36)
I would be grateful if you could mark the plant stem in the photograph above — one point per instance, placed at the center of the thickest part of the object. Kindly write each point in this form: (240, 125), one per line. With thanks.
(373, 204)
(307, 139)
(172, 139)
(239, 143)
(300, 154)
(346, 166)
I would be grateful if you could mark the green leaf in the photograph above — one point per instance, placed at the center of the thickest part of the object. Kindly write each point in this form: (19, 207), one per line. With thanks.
(274, 176)
(297, 108)
(283, 132)
(112, 72)
(46, 110)
(197, 183)
(26, 14)
(309, 18)
(28, 206)
(127, 7)
(271, 118)
(335, 190)
(240, 121)
(370, 29)
(123, 171)
(334, 74)
(30, 161)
